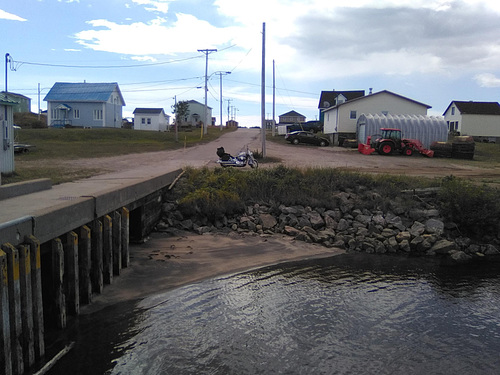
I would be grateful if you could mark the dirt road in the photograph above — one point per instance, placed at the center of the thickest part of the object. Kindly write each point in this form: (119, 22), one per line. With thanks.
(294, 156)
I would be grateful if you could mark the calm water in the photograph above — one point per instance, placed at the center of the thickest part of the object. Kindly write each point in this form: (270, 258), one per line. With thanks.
(343, 315)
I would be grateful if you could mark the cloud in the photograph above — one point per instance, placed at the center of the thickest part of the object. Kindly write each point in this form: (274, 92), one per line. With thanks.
(9, 16)
(487, 80)
(155, 5)
(157, 37)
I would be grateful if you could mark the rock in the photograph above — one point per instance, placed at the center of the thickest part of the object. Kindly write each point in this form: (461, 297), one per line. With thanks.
(403, 236)
(434, 226)
(460, 257)
(386, 232)
(417, 229)
(268, 221)
(186, 224)
(291, 231)
(343, 225)
(330, 222)
(491, 250)
(405, 246)
(443, 247)
(316, 219)
(303, 222)
(379, 220)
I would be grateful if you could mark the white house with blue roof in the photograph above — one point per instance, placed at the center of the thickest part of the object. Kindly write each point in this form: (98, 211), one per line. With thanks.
(94, 105)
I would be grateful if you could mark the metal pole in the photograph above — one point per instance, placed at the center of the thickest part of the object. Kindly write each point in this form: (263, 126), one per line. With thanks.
(263, 91)
(6, 62)
(220, 75)
(274, 101)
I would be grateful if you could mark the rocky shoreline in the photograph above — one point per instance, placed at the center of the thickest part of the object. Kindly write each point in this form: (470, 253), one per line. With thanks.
(418, 231)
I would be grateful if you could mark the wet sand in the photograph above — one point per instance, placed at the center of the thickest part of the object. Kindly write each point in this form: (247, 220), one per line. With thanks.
(169, 260)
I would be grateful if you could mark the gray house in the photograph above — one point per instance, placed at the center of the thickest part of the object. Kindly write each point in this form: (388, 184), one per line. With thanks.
(95, 105)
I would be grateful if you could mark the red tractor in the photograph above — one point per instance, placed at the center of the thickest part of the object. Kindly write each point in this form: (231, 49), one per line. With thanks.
(390, 141)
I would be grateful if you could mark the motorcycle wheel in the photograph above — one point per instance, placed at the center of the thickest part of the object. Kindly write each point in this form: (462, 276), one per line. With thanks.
(255, 164)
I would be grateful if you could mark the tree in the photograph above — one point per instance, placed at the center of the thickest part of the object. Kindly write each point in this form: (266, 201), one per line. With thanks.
(180, 110)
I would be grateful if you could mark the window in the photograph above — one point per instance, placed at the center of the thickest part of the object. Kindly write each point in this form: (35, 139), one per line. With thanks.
(149, 121)
(55, 114)
(98, 114)
(353, 115)
(76, 113)
(143, 120)
(452, 110)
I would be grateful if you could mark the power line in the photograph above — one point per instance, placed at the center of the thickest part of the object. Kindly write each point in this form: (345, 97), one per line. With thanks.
(19, 63)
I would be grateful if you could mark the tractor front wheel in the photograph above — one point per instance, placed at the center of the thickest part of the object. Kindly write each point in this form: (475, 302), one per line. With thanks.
(408, 151)
(385, 148)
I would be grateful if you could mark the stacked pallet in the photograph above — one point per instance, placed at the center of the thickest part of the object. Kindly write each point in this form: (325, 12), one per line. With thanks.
(462, 147)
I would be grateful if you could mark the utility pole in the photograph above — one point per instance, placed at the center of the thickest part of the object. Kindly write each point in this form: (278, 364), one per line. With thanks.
(274, 101)
(220, 75)
(176, 124)
(229, 109)
(263, 91)
(7, 57)
(206, 52)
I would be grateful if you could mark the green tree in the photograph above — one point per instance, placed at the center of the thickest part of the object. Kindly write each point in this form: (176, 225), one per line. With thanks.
(180, 110)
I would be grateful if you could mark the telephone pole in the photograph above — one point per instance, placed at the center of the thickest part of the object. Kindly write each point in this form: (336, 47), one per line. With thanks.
(206, 52)
(263, 92)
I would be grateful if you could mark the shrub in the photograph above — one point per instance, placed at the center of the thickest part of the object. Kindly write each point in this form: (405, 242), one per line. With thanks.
(474, 209)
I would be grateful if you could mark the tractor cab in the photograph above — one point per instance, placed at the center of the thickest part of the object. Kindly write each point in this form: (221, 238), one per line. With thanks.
(390, 133)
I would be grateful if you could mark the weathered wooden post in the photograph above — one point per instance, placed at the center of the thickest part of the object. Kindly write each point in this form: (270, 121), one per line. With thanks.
(72, 287)
(14, 288)
(125, 214)
(97, 267)
(117, 243)
(5, 350)
(26, 306)
(36, 291)
(58, 283)
(84, 258)
(107, 248)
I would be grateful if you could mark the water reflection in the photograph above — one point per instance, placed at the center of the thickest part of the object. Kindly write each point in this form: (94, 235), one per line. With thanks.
(343, 315)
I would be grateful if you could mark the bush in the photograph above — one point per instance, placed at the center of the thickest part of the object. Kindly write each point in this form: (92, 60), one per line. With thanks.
(474, 209)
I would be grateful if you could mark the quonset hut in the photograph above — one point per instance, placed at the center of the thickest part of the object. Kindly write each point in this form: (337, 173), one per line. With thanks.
(426, 129)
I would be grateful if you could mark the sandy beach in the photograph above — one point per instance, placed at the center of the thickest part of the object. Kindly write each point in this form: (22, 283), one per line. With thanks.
(169, 260)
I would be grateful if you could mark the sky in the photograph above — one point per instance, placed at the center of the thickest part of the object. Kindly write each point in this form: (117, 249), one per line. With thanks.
(431, 51)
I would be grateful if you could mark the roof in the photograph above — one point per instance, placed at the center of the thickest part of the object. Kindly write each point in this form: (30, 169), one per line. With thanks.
(82, 92)
(379, 93)
(152, 111)
(4, 100)
(195, 102)
(14, 95)
(292, 113)
(331, 96)
(476, 108)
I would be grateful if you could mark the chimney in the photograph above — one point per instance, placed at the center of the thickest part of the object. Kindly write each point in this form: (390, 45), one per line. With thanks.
(371, 90)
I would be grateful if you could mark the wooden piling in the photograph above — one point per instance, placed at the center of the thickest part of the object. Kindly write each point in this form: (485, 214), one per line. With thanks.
(36, 292)
(5, 357)
(84, 258)
(26, 306)
(97, 266)
(117, 243)
(72, 286)
(58, 283)
(125, 214)
(107, 249)
(14, 288)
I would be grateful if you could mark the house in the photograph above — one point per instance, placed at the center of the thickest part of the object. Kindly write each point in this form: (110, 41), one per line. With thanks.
(291, 117)
(7, 128)
(151, 119)
(95, 105)
(478, 119)
(340, 120)
(328, 99)
(194, 116)
(23, 103)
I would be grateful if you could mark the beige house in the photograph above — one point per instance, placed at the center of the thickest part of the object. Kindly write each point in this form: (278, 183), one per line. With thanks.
(478, 119)
(340, 120)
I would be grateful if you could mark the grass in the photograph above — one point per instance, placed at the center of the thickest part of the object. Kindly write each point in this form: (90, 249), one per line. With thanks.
(56, 144)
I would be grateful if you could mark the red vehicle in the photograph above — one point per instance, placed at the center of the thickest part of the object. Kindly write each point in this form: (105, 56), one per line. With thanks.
(390, 141)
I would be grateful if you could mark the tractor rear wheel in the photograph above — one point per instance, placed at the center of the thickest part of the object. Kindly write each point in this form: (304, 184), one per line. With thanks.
(385, 148)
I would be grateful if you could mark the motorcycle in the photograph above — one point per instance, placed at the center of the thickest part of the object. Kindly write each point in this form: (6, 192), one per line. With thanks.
(241, 160)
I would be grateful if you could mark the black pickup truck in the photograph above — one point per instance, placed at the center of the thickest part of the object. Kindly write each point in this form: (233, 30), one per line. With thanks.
(309, 126)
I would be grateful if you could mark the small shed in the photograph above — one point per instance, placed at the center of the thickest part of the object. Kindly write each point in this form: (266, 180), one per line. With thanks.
(7, 129)
(426, 129)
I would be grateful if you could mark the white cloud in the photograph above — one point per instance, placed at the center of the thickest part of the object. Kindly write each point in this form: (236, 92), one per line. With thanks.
(487, 80)
(155, 5)
(9, 16)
